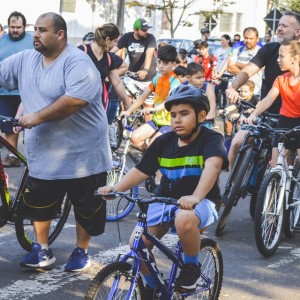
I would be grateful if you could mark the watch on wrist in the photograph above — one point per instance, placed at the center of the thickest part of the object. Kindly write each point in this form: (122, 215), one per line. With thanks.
(146, 69)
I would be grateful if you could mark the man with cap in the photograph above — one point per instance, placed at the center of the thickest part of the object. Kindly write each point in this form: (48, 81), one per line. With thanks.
(204, 34)
(140, 45)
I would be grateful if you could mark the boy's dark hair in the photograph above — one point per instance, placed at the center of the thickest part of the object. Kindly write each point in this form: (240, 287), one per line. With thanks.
(202, 44)
(193, 68)
(180, 71)
(167, 53)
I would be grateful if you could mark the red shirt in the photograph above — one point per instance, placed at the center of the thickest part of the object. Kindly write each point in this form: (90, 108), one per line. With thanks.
(207, 63)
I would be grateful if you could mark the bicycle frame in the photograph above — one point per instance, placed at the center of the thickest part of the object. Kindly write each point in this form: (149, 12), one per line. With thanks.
(139, 253)
(286, 176)
(258, 146)
(10, 204)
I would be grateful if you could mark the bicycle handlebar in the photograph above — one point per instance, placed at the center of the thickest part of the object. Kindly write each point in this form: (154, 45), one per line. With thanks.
(9, 120)
(142, 199)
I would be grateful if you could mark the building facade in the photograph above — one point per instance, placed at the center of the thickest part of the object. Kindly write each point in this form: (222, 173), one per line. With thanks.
(83, 16)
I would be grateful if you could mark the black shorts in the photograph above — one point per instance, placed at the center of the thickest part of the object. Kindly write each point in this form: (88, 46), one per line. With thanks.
(289, 123)
(43, 198)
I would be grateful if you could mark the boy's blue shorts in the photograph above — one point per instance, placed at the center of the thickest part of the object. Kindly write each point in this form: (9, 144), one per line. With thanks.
(158, 213)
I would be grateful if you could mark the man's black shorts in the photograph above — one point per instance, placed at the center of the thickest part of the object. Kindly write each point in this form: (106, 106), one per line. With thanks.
(43, 199)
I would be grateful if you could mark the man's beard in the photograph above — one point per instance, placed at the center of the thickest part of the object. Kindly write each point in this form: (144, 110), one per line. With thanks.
(284, 39)
(17, 38)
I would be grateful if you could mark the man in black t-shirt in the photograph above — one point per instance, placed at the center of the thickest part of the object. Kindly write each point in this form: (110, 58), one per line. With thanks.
(288, 29)
(140, 45)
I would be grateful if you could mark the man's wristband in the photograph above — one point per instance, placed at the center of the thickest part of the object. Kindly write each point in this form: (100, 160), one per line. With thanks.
(145, 69)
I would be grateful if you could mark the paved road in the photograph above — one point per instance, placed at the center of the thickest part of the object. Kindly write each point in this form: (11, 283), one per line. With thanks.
(247, 275)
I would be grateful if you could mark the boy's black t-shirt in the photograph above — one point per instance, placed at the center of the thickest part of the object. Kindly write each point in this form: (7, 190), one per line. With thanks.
(182, 166)
(267, 57)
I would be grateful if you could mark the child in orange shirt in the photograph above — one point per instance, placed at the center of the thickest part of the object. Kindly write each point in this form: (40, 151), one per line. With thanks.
(288, 85)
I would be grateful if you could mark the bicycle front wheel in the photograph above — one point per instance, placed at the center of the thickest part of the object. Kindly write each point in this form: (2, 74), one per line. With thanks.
(113, 282)
(246, 162)
(292, 214)
(211, 260)
(119, 207)
(25, 230)
(268, 222)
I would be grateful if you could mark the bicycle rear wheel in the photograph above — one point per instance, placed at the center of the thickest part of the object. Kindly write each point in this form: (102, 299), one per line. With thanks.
(268, 223)
(25, 230)
(113, 282)
(119, 207)
(211, 260)
(245, 164)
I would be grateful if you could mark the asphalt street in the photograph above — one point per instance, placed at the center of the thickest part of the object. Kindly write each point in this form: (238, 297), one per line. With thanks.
(247, 275)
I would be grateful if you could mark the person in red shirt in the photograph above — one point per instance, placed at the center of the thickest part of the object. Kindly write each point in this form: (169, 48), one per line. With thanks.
(208, 61)
(288, 86)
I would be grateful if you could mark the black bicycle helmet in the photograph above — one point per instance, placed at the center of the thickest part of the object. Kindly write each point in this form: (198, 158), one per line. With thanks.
(204, 30)
(190, 94)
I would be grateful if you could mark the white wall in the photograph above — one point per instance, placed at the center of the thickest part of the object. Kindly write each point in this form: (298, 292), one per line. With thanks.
(31, 9)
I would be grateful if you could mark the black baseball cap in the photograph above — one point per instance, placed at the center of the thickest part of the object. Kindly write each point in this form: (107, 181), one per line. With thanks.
(204, 30)
(141, 24)
(89, 37)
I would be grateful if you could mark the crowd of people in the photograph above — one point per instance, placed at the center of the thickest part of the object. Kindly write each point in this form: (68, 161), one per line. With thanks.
(66, 98)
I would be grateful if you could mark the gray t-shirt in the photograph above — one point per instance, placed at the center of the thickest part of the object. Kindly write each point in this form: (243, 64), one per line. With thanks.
(76, 146)
(244, 56)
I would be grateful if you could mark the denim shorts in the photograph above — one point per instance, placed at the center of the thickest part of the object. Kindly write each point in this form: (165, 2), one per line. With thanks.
(161, 213)
(158, 128)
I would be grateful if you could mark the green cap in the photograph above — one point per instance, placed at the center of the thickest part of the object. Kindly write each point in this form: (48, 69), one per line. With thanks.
(141, 24)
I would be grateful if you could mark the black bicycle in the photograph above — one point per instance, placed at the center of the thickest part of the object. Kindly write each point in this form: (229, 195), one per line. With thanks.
(10, 206)
(251, 163)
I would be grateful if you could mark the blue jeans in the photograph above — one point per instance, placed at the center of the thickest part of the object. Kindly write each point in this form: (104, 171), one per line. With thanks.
(112, 109)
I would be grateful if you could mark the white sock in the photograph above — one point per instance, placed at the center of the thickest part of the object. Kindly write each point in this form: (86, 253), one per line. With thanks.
(45, 246)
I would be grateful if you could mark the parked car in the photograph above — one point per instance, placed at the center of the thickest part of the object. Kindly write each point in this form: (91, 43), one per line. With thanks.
(178, 43)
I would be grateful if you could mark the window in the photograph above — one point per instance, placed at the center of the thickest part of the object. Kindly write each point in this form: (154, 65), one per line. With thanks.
(226, 21)
(67, 5)
(239, 27)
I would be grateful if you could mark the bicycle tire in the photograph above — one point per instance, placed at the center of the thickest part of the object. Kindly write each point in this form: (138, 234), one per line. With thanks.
(292, 214)
(101, 285)
(260, 176)
(268, 226)
(25, 230)
(245, 164)
(211, 260)
(119, 207)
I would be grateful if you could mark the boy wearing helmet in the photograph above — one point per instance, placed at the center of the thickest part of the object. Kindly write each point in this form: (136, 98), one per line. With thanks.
(190, 159)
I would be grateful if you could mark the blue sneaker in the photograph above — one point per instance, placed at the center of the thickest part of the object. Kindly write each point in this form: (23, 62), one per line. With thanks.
(78, 261)
(38, 258)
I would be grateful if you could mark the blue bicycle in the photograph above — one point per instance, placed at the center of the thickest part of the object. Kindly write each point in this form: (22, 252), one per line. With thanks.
(122, 279)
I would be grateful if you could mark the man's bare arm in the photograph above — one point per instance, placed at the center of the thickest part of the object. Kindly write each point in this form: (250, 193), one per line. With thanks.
(241, 78)
(58, 110)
